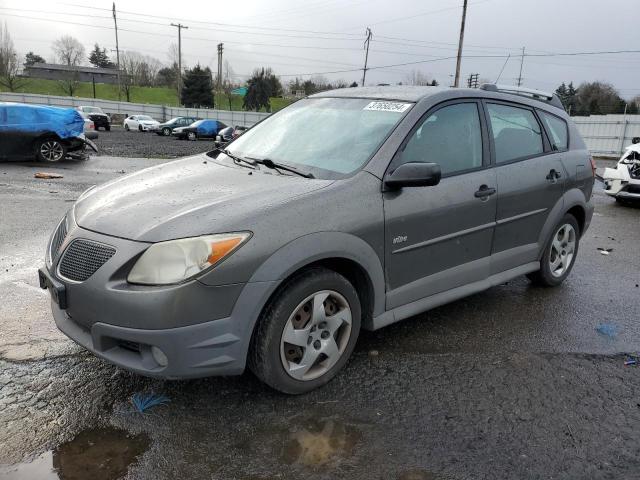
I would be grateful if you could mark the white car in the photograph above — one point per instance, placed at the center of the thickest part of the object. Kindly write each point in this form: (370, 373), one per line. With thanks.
(143, 123)
(89, 126)
(623, 182)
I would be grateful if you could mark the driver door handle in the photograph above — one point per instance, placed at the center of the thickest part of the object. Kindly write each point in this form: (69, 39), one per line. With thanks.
(484, 192)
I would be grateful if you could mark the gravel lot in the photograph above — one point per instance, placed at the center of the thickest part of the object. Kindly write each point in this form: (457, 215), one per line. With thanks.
(512, 383)
(119, 143)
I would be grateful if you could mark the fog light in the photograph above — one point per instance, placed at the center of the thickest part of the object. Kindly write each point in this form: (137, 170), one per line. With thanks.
(159, 356)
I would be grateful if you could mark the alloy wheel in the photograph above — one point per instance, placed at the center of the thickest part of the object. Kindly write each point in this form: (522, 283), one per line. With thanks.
(315, 335)
(562, 251)
(51, 150)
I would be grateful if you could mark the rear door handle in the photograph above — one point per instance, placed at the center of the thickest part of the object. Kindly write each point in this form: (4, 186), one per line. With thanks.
(553, 175)
(484, 192)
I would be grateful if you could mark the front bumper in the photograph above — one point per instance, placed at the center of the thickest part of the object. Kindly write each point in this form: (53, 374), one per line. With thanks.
(201, 330)
(148, 128)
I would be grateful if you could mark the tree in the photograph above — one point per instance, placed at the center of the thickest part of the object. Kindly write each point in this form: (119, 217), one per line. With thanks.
(262, 85)
(434, 83)
(31, 58)
(68, 51)
(168, 76)
(9, 62)
(355, 84)
(598, 98)
(416, 77)
(99, 58)
(197, 88)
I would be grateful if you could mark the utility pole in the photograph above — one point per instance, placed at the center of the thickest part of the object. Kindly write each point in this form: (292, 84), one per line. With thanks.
(456, 82)
(220, 49)
(366, 55)
(180, 27)
(472, 81)
(115, 22)
(521, 62)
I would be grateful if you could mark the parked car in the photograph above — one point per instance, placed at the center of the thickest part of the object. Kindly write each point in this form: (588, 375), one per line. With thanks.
(623, 182)
(100, 119)
(275, 252)
(48, 134)
(199, 129)
(227, 134)
(166, 127)
(89, 127)
(142, 123)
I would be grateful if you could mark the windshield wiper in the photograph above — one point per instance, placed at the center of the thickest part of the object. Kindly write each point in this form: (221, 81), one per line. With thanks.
(237, 159)
(279, 166)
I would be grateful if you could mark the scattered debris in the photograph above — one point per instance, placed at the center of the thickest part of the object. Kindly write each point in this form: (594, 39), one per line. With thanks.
(608, 329)
(120, 171)
(144, 401)
(631, 361)
(205, 162)
(47, 176)
(373, 353)
(605, 251)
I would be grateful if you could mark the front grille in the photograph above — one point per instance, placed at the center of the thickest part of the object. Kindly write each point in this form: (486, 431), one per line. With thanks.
(58, 238)
(83, 258)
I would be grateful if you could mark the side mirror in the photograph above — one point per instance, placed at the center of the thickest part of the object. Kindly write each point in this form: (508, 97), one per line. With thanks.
(414, 174)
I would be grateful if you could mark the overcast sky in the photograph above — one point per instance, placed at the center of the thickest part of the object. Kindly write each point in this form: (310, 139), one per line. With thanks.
(320, 36)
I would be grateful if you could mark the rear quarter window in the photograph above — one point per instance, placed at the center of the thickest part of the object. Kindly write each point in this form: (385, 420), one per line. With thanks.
(557, 129)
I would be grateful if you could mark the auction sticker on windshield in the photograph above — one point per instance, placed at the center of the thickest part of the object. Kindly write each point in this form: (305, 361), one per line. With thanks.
(388, 106)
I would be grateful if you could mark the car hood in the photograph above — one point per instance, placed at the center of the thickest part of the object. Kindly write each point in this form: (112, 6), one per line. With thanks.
(188, 197)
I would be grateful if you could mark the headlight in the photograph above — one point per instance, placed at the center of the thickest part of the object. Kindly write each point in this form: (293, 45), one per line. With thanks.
(174, 261)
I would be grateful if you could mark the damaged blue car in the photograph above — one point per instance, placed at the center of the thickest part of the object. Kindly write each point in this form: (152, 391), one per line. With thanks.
(199, 129)
(48, 134)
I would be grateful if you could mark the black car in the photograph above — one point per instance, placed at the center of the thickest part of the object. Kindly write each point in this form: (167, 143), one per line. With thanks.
(99, 118)
(199, 129)
(45, 133)
(166, 127)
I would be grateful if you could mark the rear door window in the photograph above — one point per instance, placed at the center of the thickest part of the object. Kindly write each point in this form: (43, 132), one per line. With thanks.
(516, 132)
(557, 130)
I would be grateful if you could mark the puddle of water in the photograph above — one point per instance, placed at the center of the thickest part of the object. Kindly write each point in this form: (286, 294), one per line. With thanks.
(319, 443)
(98, 454)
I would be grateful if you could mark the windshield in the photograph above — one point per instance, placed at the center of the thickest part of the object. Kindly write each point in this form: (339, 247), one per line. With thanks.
(92, 109)
(144, 117)
(329, 137)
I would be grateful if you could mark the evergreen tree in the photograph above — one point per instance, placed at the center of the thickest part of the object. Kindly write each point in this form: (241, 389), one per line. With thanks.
(99, 58)
(262, 85)
(354, 84)
(197, 88)
(31, 58)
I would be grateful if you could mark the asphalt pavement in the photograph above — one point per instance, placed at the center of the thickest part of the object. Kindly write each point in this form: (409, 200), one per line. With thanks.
(514, 382)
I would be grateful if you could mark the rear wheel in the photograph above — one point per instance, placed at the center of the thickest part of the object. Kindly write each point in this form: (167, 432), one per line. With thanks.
(559, 254)
(307, 333)
(50, 150)
(108, 128)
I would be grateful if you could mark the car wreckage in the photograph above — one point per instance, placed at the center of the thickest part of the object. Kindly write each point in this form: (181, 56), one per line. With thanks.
(48, 134)
(623, 182)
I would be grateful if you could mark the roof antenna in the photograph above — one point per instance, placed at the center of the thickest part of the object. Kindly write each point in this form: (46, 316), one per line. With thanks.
(505, 64)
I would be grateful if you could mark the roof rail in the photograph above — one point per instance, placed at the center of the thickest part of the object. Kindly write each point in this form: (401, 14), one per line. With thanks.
(547, 97)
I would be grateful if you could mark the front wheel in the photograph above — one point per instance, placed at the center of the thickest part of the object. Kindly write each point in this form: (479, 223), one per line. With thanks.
(559, 253)
(307, 333)
(126, 127)
(192, 136)
(108, 128)
(50, 150)
(139, 128)
(166, 131)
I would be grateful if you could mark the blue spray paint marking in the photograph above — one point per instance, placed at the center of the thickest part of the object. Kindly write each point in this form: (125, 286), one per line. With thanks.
(608, 329)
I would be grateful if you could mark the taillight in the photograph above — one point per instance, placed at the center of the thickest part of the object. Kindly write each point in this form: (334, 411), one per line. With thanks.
(593, 165)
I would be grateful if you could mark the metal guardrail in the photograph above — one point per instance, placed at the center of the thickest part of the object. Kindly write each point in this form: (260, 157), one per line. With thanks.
(159, 112)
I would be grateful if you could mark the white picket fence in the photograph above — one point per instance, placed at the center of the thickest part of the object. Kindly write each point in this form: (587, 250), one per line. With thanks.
(159, 112)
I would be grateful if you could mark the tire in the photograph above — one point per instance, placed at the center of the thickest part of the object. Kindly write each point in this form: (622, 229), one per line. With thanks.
(166, 131)
(193, 136)
(50, 150)
(108, 128)
(557, 249)
(281, 365)
(126, 127)
(139, 128)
